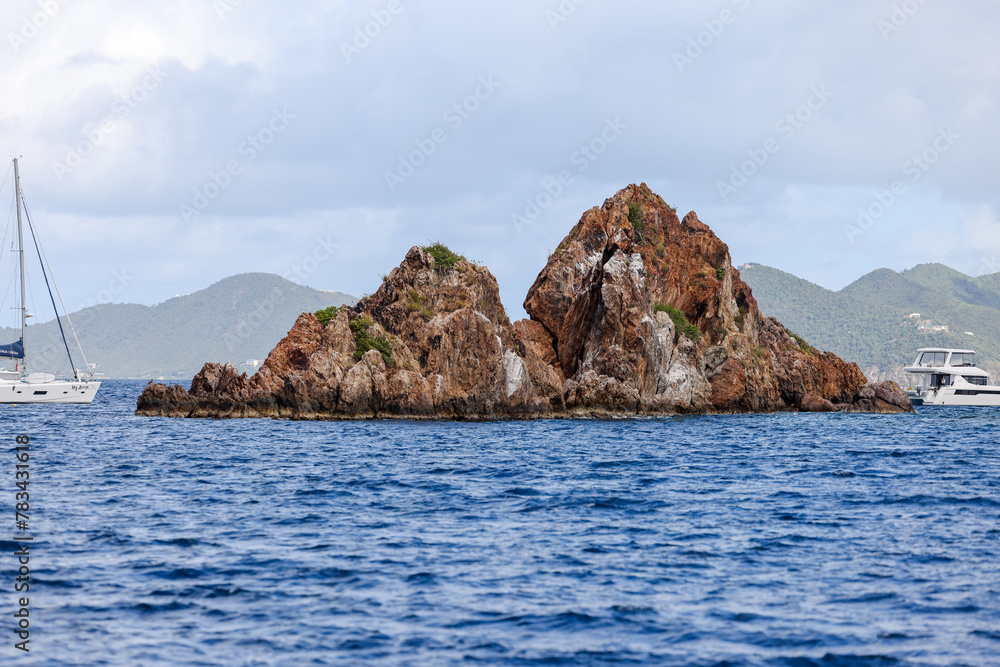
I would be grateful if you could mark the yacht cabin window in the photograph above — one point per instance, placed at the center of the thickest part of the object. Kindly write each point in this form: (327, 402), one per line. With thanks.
(933, 359)
(975, 380)
(959, 359)
(940, 380)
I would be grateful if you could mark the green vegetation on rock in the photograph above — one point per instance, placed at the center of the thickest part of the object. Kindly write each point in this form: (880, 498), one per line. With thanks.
(635, 215)
(418, 304)
(444, 259)
(680, 320)
(326, 315)
(364, 341)
(801, 342)
(741, 317)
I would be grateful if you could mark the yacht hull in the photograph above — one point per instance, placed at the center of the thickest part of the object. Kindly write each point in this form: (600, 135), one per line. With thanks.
(48, 392)
(976, 398)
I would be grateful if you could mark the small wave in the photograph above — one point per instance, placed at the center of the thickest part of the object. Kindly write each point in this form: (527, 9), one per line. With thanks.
(178, 574)
(613, 464)
(146, 608)
(697, 536)
(931, 558)
(179, 542)
(371, 641)
(335, 573)
(108, 536)
(55, 583)
(522, 492)
(773, 543)
(213, 592)
(686, 566)
(831, 660)
(960, 609)
(309, 518)
(568, 620)
(922, 499)
(864, 599)
(628, 610)
(312, 492)
(740, 617)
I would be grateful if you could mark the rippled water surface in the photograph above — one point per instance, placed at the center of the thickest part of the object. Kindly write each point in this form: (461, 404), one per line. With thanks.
(751, 540)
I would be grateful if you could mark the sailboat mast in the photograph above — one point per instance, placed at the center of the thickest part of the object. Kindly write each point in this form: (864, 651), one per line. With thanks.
(20, 250)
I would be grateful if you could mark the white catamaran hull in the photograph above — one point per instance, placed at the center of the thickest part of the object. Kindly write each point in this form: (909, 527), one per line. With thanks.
(978, 397)
(48, 392)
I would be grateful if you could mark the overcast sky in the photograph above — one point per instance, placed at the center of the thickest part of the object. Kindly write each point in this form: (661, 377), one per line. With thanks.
(169, 146)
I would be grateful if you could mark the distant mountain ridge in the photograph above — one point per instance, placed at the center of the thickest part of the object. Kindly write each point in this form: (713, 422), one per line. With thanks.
(236, 319)
(880, 320)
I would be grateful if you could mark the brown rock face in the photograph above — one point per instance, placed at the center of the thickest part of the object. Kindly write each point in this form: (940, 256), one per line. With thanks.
(449, 353)
(812, 403)
(637, 312)
(880, 397)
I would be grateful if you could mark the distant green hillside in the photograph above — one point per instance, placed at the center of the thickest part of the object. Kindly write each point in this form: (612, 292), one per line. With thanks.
(236, 319)
(871, 321)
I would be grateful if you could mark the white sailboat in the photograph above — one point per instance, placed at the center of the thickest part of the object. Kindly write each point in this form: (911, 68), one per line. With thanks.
(18, 385)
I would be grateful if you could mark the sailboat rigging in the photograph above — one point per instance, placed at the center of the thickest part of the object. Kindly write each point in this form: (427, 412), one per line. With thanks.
(19, 386)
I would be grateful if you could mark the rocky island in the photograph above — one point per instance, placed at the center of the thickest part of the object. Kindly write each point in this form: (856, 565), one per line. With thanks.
(637, 312)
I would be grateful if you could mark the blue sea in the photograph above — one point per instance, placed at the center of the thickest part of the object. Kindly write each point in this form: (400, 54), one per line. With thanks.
(785, 539)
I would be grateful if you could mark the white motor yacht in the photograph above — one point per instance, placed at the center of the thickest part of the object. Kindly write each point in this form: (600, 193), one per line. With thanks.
(950, 377)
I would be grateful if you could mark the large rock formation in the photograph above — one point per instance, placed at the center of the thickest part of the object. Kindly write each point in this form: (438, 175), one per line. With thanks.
(636, 312)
